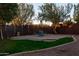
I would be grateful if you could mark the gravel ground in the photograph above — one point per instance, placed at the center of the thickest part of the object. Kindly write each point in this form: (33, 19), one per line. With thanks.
(36, 37)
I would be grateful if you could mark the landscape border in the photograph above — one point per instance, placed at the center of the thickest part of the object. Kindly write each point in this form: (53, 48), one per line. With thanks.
(16, 54)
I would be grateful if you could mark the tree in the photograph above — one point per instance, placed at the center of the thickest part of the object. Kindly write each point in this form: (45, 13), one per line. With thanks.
(51, 12)
(76, 13)
(7, 12)
(26, 12)
(17, 21)
(48, 11)
(64, 11)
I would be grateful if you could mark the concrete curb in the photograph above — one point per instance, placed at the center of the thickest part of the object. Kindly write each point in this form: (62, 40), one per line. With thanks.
(16, 54)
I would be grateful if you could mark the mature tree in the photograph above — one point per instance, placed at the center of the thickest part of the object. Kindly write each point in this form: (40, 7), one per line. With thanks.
(7, 12)
(76, 13)
(17, 21)
(49, 12)
(64, 11)
(52, 12)
(26, 11)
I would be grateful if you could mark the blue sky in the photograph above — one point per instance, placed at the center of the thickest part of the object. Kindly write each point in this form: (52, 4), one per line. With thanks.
(36, 7)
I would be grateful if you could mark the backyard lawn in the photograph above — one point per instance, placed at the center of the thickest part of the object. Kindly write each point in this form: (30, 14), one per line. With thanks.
(14, 46)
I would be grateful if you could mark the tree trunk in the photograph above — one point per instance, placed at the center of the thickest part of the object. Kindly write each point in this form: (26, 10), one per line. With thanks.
(55, 31)
(1, 34)
(28, 30)
(54, 28)
(14, 30)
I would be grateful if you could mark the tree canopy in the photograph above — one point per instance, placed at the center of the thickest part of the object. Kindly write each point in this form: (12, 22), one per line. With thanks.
(26, 11)
(52, 12)
(76, 13)
(8, 11)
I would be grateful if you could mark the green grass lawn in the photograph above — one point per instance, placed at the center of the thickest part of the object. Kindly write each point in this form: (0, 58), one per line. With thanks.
(14, 46)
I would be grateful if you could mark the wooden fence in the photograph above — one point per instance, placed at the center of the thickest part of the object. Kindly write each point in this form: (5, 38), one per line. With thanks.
(31, 29)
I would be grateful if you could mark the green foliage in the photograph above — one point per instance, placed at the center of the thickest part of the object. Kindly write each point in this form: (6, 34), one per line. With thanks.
(26, 11)
(76, 13)
(8, 11)
(64, 11)
(49, 12)
(52, 12)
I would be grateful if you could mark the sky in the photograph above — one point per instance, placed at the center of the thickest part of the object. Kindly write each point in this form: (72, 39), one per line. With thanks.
(36, 8)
